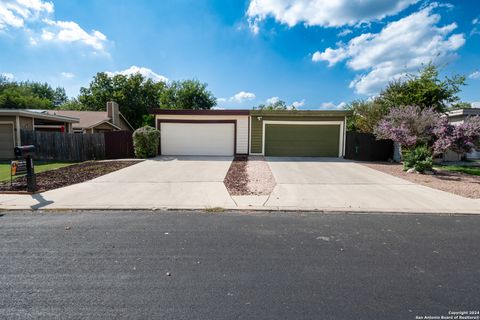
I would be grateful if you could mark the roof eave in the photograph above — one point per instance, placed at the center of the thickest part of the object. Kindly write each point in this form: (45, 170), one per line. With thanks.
(38, 115)
(290, 113)
(231, 112)
(107, 121)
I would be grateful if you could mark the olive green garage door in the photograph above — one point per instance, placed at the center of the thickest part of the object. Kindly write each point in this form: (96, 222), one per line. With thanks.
(302, 140)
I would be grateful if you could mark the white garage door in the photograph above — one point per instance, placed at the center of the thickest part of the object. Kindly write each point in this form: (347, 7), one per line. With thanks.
(6, 141)
(206, 139)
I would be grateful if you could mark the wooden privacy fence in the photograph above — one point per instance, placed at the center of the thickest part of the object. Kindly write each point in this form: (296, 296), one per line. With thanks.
(79, 147)
(65, 146)
(365, 147)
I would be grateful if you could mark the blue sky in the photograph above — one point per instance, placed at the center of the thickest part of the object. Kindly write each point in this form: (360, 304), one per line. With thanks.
(314, 54)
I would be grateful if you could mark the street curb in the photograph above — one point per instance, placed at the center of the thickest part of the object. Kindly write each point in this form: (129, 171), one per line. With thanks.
(221, 211)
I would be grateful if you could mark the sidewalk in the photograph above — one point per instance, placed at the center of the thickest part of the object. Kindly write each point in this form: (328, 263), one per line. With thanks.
(206, 195)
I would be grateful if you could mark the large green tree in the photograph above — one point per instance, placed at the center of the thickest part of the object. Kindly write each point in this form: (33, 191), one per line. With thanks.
(30, 95)
(134, 93)
(187, 94)
(424, 89)
(365, 115)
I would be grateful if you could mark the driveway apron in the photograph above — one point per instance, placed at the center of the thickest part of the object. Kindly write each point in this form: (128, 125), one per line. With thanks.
(337, 184)
(163, 182)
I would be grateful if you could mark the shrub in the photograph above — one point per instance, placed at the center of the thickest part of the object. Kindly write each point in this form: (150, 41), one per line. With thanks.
(419, 158)
(145, 142)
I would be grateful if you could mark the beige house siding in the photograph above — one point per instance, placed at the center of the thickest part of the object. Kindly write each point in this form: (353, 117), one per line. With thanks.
(242, 126)
(123, 124)
(26, 123)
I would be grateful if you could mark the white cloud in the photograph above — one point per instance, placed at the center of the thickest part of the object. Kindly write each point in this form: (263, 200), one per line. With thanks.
(331, 55)
(9, 76)
(298, 104)
(325, 13)
(67, 75)
(243, 96)
(401, 46)
(330, 105)
(475, 104)
(475, 75)
(344, 33)
(239, 97)
(476, 20)
(34, 18)
(272, 100)
(71, 32)
(14, 13)
(147, 73)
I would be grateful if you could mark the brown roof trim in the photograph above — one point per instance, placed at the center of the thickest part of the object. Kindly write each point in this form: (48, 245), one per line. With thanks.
(202, 112)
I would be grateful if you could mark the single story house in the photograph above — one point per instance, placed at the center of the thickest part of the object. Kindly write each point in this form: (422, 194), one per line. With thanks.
(457, 117)
(97, 121)
(14, 120)
(319, 133)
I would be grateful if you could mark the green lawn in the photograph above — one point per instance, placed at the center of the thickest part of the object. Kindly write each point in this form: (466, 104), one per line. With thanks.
(39, 167)
(468, 170)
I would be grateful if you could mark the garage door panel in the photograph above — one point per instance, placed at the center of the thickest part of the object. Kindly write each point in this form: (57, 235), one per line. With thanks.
(6, 141)
(210, 139)
(284, 140)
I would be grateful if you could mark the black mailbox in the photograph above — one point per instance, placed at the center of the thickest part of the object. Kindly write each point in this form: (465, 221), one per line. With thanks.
(24, 151)
(28, 152)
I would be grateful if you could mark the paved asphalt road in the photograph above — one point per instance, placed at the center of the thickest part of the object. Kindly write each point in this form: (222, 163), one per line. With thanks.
(106, 265)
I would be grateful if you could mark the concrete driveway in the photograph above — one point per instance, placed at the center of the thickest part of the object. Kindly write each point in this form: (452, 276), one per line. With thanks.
(197, 183)
(163, 182)
(337, 184)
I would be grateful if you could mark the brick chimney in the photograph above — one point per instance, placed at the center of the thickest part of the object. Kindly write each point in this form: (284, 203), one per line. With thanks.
(113, 112)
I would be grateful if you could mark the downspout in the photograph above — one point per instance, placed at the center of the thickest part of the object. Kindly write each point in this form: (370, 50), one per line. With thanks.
(344, 136)
(17, 125)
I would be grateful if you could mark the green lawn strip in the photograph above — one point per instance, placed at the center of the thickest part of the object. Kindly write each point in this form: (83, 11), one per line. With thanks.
(39, 167)
(464, 169)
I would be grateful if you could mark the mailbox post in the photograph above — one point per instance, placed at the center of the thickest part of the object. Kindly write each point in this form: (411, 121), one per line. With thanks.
(27, 152)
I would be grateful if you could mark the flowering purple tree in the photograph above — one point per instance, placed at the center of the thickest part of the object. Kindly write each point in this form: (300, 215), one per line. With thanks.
(409, 126)
(461, 138)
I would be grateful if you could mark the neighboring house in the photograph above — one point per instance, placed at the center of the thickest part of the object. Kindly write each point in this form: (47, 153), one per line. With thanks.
(14, 120)
(97, 121)
(457, 117)
(257, 132)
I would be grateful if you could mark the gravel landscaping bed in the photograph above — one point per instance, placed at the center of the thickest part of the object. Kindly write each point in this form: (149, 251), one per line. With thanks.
(454, 182)
(66, 176)
(249, 176)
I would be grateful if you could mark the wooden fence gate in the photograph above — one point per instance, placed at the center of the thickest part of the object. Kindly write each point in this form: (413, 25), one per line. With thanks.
(118, 145)
(364, 147)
